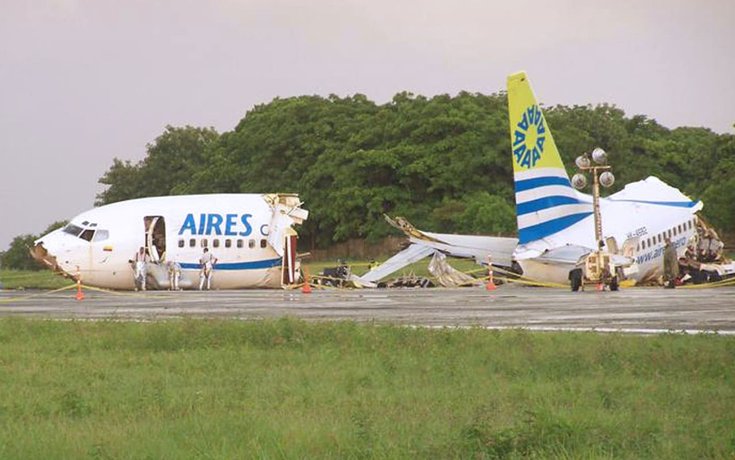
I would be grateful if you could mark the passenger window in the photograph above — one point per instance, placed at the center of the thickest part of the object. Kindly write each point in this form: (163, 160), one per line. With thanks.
(87, 235)
(181, 243)
(215, 243)
(263, 243)
(228, 243)
(101, 235)
(192, 243)
(239, 243)
(251, 244)
(204, 242)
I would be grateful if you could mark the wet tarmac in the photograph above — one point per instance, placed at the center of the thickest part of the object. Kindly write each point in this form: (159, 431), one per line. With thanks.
(636, 310)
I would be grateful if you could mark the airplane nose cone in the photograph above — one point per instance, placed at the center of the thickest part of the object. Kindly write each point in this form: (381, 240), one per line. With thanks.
(40, 253)
(47, 249)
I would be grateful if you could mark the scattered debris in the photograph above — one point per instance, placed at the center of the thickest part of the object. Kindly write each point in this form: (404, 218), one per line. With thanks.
(408, 281)
(448, 276)
(338, 276)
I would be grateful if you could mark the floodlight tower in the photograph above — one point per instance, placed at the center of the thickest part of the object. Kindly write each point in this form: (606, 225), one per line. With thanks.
(601, 175)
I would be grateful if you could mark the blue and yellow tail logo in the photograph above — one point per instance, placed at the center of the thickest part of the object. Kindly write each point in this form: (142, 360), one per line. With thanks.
(546, 203)
(529, 138)
(531, 141)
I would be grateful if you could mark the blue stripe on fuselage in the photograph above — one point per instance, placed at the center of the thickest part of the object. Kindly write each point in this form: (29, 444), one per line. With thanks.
(676, 204)
(256, 265)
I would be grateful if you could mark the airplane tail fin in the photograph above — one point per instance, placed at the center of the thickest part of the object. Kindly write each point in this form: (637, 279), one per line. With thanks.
(546, 203)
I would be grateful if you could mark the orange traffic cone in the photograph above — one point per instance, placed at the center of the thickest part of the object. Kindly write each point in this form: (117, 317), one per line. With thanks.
(80, 294)
(490, 286)
(306, 287)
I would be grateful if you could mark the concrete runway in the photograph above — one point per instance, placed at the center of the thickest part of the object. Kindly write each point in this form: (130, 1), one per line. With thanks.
(636, 310)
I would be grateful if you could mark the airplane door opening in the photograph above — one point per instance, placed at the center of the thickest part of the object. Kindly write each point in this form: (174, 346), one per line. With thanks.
(155, 237)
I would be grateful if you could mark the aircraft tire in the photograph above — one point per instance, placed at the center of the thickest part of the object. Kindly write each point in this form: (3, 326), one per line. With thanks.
(575, 279)
(614, 286)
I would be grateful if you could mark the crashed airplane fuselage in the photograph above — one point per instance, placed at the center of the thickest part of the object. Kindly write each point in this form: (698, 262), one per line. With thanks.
(556, 228)
(251, 236)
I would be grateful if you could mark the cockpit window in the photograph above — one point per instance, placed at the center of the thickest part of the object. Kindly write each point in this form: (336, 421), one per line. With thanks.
(87, 235)
(73, 230)
(101, 235)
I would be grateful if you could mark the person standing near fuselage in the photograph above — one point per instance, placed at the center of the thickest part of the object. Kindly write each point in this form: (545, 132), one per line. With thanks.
(206, 264)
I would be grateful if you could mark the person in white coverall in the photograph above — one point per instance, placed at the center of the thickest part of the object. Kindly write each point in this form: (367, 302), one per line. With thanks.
(140, 268)
(206, 263)
(174, 275)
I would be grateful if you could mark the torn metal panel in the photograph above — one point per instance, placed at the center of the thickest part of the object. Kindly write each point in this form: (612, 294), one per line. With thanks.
(465, 246)
(287, 212)
(446, 275)
(411, 254)
(41, 255)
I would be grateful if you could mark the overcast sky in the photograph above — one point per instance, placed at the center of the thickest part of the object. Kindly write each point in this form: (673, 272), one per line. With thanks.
(82, 82)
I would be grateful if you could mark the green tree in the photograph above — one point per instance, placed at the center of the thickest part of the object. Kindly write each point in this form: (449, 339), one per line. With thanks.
(171, 162)
(442, 162)
(487, 214)
(123, 181)
(18, 257)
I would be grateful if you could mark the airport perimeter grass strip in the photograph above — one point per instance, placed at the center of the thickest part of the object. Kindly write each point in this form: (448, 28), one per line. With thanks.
(291, 389)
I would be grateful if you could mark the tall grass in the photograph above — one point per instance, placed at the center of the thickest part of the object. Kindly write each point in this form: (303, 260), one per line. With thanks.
(28, 279)
(290, 389)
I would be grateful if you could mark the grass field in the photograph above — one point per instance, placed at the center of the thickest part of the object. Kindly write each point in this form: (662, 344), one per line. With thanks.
(27, 279)
(290, 389)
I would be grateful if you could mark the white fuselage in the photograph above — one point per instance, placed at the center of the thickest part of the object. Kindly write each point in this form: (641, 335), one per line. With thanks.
(99, 244)
(639, 229)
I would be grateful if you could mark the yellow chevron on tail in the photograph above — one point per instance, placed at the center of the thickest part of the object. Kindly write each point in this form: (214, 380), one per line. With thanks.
(531, 141)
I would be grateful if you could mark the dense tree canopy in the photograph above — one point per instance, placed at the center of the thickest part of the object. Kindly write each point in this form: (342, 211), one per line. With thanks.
(170, 163)
(18, 256)
(442, 162)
